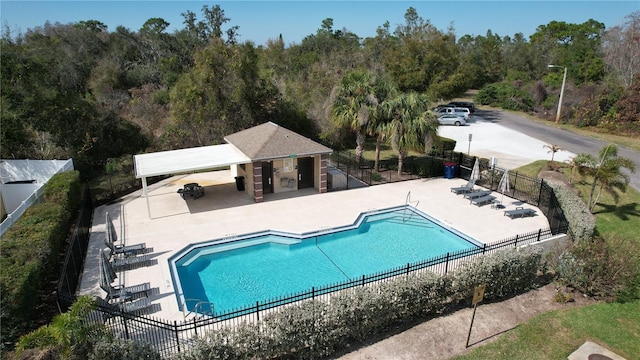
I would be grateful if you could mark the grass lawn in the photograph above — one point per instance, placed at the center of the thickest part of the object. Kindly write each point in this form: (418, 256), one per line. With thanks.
(622, 218)
(557, 334)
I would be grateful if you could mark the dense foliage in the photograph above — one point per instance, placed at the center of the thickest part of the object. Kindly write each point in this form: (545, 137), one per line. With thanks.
(79, 90)
(604, 267)
(31, 251)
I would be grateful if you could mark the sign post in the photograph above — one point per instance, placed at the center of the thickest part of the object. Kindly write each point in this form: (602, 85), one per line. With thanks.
(478, 295)
(469, 148)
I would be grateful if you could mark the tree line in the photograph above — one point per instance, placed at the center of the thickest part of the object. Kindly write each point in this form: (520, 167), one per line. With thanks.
(78, 90)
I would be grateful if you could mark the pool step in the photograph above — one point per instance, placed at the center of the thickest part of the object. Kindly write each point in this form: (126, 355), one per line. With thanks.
(242, 244)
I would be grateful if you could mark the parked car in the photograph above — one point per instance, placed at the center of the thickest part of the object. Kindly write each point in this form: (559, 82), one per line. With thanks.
(440, 107)
(451, 119)
(455, 110)
(464, 104)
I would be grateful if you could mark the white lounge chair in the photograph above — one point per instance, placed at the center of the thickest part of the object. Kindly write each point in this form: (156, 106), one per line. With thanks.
(519, 212)
(483, 200)
(464, 189)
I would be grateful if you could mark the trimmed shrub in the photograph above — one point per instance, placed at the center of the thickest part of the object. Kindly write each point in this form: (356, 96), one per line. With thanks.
(582, 223)
(506, 274)
(107, 348)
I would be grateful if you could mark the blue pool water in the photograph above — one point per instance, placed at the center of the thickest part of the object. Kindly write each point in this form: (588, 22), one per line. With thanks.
(236, 273)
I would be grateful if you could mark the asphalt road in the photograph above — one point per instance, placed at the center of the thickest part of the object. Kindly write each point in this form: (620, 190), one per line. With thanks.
(567, 140)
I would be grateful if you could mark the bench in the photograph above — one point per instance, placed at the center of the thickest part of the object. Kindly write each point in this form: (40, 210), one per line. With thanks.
(519, 212)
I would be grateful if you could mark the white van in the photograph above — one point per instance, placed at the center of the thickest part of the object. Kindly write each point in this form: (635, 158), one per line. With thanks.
(456, 110)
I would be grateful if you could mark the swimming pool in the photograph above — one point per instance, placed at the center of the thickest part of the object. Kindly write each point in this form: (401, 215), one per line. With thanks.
(237, 272)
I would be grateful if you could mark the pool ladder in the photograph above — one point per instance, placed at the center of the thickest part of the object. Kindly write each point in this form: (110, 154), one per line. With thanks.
(409, 202)
(199, 306)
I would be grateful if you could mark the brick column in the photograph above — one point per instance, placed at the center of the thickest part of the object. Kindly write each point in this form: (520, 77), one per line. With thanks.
(257, 182)
(323, 173)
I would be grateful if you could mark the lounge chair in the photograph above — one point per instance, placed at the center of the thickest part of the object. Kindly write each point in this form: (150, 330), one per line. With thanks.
(124, 263)
(477, 194)
(135, 306)
(483, 200)
(127, 293)
(464, 189)
(130, 307)
(519, 212)
(128, 250)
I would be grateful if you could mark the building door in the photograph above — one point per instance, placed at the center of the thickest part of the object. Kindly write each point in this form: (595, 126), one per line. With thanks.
(305, 172)
(267, 175)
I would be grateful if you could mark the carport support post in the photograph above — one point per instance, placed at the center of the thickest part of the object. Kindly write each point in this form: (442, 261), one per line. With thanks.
(146, 195)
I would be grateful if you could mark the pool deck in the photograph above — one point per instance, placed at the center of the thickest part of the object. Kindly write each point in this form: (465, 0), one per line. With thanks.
(224, 211)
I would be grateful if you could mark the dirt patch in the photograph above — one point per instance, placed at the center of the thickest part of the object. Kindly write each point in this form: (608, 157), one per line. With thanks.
(446, 336)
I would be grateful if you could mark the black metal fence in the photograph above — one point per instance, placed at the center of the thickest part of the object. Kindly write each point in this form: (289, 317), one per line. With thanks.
(75, 255)
(523, 188)
(169, 337)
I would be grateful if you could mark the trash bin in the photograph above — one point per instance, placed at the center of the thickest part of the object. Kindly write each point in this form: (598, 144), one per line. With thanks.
(449, 170)
(240, 183)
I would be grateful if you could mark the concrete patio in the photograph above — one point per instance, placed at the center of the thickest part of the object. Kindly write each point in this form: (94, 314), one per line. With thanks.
(173, 223)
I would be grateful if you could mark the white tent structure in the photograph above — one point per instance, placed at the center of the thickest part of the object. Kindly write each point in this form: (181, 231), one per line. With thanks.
(185, 160)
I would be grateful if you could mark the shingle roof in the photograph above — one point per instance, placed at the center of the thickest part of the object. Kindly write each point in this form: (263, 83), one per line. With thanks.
(271, 141)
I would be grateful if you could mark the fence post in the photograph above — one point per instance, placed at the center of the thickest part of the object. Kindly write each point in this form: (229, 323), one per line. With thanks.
(195, 327)
(258, 311)
(175, 330)
(313, 293)
(362, 280)
(540, 192)
(484, 248)
(407, 269)
(446, 265)
(539, 234)
(515, 182)
(126, 328)
(515, 243)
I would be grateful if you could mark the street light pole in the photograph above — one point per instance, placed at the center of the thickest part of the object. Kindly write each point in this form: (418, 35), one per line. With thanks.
(564, 80)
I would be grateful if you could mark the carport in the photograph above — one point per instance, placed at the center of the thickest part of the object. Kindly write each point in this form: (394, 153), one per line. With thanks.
(184, 161)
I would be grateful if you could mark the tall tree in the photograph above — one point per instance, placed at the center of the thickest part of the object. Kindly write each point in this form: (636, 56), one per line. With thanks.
(354, 105)
(621, 45)
(576, 46)
(408, 124)
(422, 55)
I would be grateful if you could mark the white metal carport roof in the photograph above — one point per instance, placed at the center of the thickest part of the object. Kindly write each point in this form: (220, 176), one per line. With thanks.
(185, 160)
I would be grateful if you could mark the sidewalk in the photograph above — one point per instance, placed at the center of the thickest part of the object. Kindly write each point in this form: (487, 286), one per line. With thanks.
(446, 336)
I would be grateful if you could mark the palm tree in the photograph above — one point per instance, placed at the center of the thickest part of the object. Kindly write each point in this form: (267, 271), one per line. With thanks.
(384, 90)
(608, 172)
(354, 105)
(578, 162)
(408, 124)
(553, 149)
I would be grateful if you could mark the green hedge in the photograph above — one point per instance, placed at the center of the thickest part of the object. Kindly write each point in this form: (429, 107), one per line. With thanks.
(31, 251)
(315, 329)
(582, 223)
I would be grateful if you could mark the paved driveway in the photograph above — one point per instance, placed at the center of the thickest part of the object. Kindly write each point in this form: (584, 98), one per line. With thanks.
(516, 140)
(489, 138)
